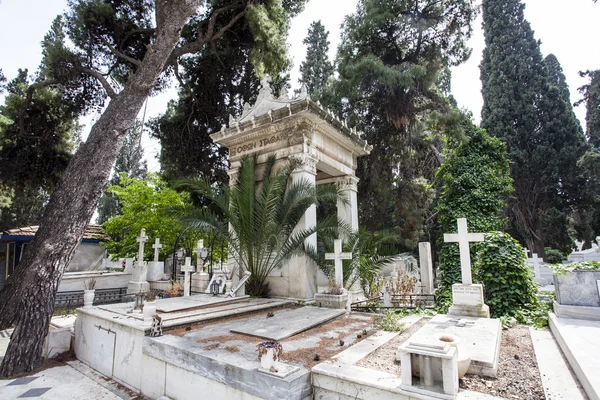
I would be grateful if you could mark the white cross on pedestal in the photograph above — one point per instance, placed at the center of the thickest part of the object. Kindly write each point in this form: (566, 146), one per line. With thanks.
(338, 256)
(186, 269)
(463, 238)
(156, 246)
(141, 240)
(526, 251)
(535, 260)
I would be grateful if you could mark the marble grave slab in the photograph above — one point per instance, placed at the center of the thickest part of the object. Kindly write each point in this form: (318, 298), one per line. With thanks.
(287, 323)
(480, 336)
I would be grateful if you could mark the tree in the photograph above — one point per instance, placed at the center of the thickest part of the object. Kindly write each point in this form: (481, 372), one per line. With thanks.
(526, 104)
(38, 131)
(475, 185)
(117, 51)
(129, 161)
(262, 216)
(316, 70)
(146, 203)
(389, 62)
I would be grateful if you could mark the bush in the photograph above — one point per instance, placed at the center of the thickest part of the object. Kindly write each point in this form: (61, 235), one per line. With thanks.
(391, 323)
(553, 256)
(500, 266)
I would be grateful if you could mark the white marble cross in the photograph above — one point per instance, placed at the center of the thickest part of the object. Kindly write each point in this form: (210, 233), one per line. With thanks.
(535, 260)
(156, 246)
(233, 291)
(141, 240)
(338, 256)
(463, 237)
(186, 269)
(526, 251)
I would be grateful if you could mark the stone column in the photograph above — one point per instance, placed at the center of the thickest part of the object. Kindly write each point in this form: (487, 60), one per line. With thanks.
(426, 267)
(348, 210)
(236, 273)
(303, 270)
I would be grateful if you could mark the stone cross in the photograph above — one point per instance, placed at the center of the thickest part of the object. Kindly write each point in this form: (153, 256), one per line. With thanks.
(233, 291)
(141, 240)
(156, 246)
(186, 269)
(463, 238)
(338, 256)
(526, 251)
(535, 260)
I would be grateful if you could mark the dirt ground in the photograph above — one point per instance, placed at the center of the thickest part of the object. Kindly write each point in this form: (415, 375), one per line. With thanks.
(518, 373)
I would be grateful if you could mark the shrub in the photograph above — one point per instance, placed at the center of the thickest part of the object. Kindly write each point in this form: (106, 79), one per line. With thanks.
(391, 322)
(500, 266)
(553, 256)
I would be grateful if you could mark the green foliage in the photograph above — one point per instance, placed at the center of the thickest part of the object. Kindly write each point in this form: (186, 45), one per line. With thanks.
(553, 256)
(475, 185)
(316, 70)
(500, 266)
(262, 215)
(387, 83)
(391, 323)
(563, 269)
(129, 161)
(147, 204)
(543, 136)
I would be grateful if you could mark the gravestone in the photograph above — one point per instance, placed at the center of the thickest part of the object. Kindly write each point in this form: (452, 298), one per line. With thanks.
(200, 278)
(467, 298)
(286, 323)
(186, 269)
(221, 278)
(338, 256)
(238, 286)
(139, 283)
(480, 337)
(156, 269)
(426, 267)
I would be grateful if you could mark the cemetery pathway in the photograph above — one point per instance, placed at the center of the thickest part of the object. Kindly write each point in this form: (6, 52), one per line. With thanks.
(72, 381)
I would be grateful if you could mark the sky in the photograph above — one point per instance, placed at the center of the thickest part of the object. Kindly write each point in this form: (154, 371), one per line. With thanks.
(567, 28)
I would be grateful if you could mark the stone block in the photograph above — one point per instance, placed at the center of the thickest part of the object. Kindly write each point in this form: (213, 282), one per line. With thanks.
(337, 301)
(57, 341)
(577, 312)
(578, 288)
(156, 271)
(467, 300)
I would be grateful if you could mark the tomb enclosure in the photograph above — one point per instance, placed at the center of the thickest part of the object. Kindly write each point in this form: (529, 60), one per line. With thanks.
(328, 150)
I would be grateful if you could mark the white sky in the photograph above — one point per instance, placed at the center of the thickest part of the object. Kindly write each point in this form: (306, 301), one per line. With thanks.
(569, 29)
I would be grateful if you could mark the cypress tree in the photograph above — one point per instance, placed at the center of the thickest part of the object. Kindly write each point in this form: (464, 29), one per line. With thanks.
(526, 104)
(317, 68)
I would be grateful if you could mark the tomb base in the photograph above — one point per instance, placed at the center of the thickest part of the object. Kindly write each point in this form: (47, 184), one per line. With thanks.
(137, 287)
(326, 300)
(200, 281)
(467, 301)
(462, 310)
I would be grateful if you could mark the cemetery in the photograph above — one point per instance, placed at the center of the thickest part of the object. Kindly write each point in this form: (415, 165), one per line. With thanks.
(359, 236)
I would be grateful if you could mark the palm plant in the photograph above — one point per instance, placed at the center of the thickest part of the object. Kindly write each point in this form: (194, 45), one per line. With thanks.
(261, 215)
(370, 254)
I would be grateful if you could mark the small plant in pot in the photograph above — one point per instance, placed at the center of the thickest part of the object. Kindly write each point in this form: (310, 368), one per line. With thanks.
(269, 354)
(89, 286)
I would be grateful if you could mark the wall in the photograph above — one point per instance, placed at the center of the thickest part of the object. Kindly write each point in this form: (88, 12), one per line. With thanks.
(86, 254)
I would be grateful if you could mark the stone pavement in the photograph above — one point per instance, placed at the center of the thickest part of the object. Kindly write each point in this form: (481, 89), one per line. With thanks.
(558, 379)
(74, 381)
(580, 343)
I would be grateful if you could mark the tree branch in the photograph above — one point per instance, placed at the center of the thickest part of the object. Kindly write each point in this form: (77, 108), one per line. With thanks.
(119, 54)
(28, 98)
(209, 36)
(110, 91)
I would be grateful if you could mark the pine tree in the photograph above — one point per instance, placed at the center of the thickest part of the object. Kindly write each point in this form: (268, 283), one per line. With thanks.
(317, 68)
(526, 104)
(390, 64)
(128, 161)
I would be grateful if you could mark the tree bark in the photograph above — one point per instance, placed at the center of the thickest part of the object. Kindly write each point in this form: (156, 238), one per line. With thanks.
(28, 297)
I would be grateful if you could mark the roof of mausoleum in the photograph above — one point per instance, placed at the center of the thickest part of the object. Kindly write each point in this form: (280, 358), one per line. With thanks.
(92, 232)
(268, 109)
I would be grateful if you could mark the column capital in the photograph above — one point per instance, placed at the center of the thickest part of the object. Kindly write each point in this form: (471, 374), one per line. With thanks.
(348, 182)
(308, 163)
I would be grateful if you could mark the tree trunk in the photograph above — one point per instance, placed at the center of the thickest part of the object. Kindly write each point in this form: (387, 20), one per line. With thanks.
(28, 297)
